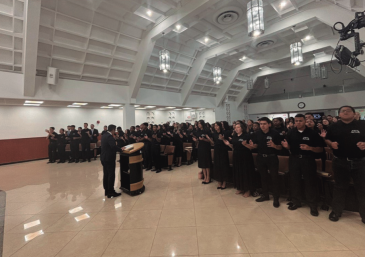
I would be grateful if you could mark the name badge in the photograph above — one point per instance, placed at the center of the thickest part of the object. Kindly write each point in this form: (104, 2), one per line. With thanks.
(355, 131)
(203, 135)
(269, 137)
(240, 140)
(305, 138)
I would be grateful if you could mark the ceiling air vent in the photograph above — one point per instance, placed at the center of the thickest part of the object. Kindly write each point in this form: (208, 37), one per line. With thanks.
(265, 44)
(227, 17)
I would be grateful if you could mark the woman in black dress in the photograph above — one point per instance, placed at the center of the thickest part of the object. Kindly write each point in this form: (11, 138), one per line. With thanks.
(221, 160)
(243, 164)
(178, 140)
(204, 153)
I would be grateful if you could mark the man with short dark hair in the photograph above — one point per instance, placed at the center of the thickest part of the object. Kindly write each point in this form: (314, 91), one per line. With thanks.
(105, 130)
(267, 142)
(330, 119)
(309, 116)
(94, 133)
(86, 137)
(74, 144)
(303, 143)
(347, 139)
(138, 131)
(52, 146)
(146, 138)
(107, 158)
(61, 145)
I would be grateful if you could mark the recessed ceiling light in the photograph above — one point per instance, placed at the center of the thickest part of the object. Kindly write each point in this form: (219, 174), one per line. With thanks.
(308, 37)
(164, 71)
(177, 110)
(282, 4)
(74, 106)
(206, 39)
(151, 106)
(137, 105)
(160, 109)
(186, 108)
(297, 63)
(79, 103)
(170, 107)
(178, 26)
(141, 108)
(33, 102)
(106, 107)
(149, 13)
(114, 105)
(243, 58)
(200, 109)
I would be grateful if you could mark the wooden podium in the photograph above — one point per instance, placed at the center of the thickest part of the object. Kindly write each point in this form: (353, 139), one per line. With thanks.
(131, 172)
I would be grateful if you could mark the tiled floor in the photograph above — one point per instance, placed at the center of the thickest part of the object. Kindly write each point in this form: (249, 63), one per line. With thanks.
(176, 216)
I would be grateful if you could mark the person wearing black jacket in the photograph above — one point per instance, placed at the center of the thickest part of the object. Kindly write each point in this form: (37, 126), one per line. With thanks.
(107, 158)
(86, 137)
(61, 145)
(156, 142)
(303, 143)
(347, 139)
(146, 138)
(52, 146)
(75, 137)
(94, 133)
(204, 150)
(267, 141)
(105, 130)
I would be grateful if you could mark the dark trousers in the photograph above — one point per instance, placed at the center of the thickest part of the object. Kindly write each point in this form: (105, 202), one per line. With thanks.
(85, 146)
(156, 157)
(52, 147)
(265, 164)
(75, 153)
(343, 170)
(305, 168)
(147, 156)
(61, 152)
(109, 176)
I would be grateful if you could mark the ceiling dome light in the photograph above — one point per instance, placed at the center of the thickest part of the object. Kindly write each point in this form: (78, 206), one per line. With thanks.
(206, 40)
(255, 18)
(149, 13)
(178, 27)
(296, 53)
(282, 4)
(308, 37)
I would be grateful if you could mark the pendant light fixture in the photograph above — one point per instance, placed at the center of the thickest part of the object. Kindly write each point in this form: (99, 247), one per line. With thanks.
(255, 18)
(217, 75)
(267, 85)
(296, 53)
(315, 70)
(164, 57)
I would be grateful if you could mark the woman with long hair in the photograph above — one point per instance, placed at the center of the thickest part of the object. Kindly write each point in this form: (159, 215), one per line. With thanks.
(204, 154)
(221, 160)
(249, 124)
(243, 164)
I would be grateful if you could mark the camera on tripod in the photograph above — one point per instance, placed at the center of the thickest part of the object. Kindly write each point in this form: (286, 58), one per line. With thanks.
(342, 53)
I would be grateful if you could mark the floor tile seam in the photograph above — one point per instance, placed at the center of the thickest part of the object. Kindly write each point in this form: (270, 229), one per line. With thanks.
(333, 236)
(154, 237)
(116, 231)
(278, 227)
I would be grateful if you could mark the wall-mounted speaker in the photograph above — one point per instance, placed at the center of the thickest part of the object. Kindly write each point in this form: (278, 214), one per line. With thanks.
(52, 76)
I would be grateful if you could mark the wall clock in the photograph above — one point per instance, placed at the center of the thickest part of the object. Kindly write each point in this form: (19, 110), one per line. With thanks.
(301, 105)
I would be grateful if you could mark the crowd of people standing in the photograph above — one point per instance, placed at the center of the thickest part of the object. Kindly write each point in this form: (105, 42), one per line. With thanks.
(302, 138)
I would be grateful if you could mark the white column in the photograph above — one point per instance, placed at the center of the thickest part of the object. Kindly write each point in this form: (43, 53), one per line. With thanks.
(31, 32)
(129, 116)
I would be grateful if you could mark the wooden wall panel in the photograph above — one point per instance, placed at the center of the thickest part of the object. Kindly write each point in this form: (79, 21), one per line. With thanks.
(24, 149)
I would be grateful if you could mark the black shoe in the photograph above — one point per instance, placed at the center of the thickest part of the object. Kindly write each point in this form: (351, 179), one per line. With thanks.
(148, 169)
(89, 160)
(219, 187)
(77, 161)
(276, 203)
(290, 203)
(153, 170)
(71, 161)
(334, 217)
(262, 199)
(314, 211)
(294, 206)
(363, 221)
(223, 188)
(115, 194)
(158, 171)
(59, 162)
(49, 162)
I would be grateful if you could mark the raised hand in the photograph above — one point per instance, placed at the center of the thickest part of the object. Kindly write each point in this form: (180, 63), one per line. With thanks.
(226, 142)
(361, 145)
(323, 133)
(334, 145)
(221, 137)
(305, 147)
(271, 144)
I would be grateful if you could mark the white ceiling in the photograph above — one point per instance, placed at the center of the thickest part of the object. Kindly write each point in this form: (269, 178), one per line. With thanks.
(98, 40)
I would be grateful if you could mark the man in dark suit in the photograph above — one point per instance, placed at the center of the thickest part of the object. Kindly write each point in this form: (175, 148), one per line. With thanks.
(108, 155)
(94, 134)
